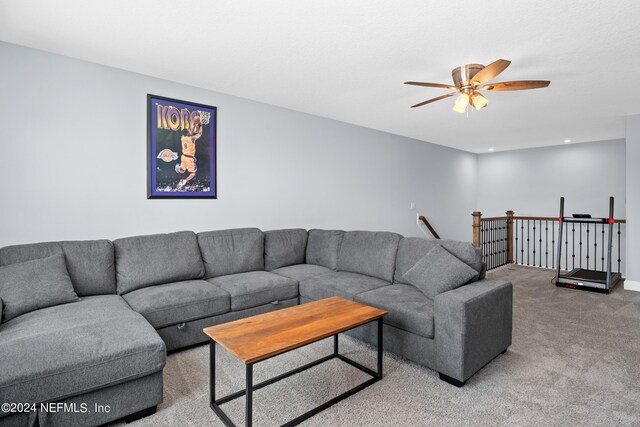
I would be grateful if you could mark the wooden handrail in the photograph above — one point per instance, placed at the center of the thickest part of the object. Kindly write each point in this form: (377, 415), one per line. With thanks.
(425, 221)
(494, 218)
(536, 218)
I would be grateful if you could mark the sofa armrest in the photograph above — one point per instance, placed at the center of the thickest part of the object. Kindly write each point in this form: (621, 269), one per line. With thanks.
(472, 326)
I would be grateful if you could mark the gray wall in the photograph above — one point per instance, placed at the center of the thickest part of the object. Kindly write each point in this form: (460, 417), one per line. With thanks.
(633, 201)
(530, 182)
(73, 141)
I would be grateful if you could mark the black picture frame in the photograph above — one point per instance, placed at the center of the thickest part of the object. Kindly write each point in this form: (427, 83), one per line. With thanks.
(181, 149)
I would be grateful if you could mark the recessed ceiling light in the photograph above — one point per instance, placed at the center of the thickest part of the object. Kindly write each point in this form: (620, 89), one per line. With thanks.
(567, 141)
(492, 149)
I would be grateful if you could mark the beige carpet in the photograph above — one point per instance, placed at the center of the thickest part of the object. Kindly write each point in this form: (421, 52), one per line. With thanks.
(575, 360)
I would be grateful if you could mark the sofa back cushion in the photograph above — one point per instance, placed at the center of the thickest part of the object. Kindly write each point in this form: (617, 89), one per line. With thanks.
(90, 263)
(284, 247)
(412, 249)
(323, 247)
(231, 251)
(369, 252)
(31, 285)
(143, 261)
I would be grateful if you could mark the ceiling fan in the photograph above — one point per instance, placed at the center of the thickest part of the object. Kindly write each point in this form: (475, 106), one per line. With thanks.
(470, 79)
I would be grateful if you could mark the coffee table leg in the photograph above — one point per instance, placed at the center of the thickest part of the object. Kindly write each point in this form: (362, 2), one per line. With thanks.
(380, 345)
(249, 409)
(212, 371)
(335, 344)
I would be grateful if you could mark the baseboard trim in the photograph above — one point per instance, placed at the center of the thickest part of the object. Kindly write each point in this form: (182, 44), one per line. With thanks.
(630, 285)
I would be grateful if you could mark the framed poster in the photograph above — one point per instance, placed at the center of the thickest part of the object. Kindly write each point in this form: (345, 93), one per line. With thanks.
(181, 149)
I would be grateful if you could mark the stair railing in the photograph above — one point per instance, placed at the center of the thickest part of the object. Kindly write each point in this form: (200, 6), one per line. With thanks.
(425, 221)
(532, 241)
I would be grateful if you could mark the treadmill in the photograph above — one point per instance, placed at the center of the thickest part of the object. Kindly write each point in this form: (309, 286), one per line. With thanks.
(581, 278)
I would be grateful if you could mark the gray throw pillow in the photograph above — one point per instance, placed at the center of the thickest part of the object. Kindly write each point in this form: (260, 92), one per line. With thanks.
(36, 284)
(439, 271)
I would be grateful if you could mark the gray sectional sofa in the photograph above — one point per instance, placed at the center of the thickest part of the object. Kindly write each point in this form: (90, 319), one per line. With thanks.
(139, 297)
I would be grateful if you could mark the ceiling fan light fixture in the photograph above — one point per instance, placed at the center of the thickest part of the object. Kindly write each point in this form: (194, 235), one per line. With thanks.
(459, 109)
(478, 101)
(463, 100)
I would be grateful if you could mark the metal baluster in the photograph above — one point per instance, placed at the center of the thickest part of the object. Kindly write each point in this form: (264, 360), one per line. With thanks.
(515, 253)
(522, 241)
(528, 250)
(595, 246)
(504, 242)
(618, 247)
(540, 243)
(534, 243)
(546, 243)
(493, 244)
(487, 247)
(580, 245)
(553, 245)
(566, 245)
(484, 255)
(500, 244)
(487, 237)
(588, 232)
(573, 250)
(602, 248)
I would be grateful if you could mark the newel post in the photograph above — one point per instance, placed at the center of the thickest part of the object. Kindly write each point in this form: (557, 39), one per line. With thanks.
(476, 228)
(509, 237)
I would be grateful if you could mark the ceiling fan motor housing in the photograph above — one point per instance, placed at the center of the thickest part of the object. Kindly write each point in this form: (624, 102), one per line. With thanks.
(463, 75)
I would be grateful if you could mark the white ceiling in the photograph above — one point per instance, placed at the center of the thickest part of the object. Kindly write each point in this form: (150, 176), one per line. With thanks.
(347, 60)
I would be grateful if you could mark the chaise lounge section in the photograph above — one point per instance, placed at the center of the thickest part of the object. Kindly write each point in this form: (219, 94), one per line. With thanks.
(139, 297)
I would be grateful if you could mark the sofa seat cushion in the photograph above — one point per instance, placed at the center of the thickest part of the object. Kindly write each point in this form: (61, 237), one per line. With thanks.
(345, 285)
(409, 309)
(302, 271)
(178, 302)
(256, 288)
(70, 349)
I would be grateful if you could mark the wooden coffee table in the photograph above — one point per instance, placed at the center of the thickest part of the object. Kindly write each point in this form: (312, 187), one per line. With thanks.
(261, 337)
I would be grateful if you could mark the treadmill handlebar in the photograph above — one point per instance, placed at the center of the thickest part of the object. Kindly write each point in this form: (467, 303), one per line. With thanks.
(586, 220)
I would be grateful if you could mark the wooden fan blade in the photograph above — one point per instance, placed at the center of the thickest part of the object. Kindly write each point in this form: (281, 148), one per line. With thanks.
(432, 85)
(516, 85)
(491, 71)
(434, 99)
